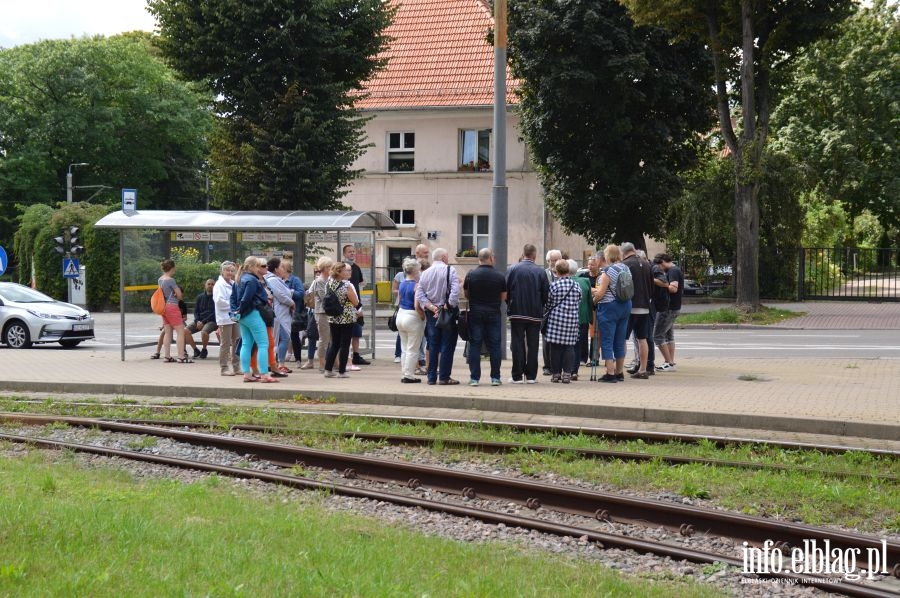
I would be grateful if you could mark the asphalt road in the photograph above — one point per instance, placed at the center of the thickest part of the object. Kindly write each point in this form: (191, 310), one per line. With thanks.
(693, 342)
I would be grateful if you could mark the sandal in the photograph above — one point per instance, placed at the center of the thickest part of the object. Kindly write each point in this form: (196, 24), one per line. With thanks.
(169, 359)
(185, 359)
(250, 378)
(268, 379)
(154, 356)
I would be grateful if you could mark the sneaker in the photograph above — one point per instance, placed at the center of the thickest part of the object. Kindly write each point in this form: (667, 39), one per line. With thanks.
(666, 367)
(196, 353)
(555, 378)
(343, 375)
(358, 360)
(496, 382)
(421, 371)
(396, 360)
(330, 374)
(531, 381)
(640, 375)
(473, 382)
(608, 378)
(574, 377)
(352, 368)
(308, 365)
(514, 381)
(546, 371)
(203, 354)
(620, 377)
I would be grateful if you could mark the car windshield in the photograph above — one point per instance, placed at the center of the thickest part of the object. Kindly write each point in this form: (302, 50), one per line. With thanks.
(22, 294)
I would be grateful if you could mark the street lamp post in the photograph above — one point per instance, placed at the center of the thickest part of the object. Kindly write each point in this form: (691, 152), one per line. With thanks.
(69, 180)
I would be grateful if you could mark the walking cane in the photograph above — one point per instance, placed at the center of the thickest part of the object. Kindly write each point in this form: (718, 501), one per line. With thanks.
(594, 350)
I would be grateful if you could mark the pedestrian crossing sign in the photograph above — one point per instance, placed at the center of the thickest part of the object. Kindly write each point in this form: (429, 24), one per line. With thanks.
(71, 268)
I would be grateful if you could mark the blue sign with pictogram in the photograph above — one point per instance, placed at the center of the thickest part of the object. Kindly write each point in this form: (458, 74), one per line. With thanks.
(71, 267)
(4, 261)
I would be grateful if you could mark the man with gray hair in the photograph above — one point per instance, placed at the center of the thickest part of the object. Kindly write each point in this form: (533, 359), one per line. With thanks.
(638, 322)
(438, 289)
(485, 288)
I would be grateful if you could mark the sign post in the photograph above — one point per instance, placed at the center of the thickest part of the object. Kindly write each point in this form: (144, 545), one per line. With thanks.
(129, 201)
(4, 260)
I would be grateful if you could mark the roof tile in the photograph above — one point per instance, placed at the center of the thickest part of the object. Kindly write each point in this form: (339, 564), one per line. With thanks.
(438, 57)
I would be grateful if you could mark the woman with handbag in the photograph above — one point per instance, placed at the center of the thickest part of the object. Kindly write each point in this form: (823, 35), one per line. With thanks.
(341, 325)
(410, 321)
(253, 330)
(562, 323)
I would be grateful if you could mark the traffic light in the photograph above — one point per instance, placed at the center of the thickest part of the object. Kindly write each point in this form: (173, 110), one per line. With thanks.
(74, 237)
(60, 246)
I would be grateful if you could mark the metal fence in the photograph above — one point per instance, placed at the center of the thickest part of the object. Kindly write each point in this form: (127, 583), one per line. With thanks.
(849, 274)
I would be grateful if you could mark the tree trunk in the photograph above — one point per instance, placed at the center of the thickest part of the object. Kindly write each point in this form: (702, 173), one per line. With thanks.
(746, 221)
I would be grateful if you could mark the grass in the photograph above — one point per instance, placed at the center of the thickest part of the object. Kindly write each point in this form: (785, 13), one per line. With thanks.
(817, 499)
(731, 315)
(69, 531)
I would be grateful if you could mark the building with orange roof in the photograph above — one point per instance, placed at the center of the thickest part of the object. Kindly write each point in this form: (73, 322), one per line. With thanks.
(431, 142)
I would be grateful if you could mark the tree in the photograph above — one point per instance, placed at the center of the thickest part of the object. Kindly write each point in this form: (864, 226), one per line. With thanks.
(841, 114)
(286, 76)
(751, 42)
(701, 219)
(105, 101)
(609, 111)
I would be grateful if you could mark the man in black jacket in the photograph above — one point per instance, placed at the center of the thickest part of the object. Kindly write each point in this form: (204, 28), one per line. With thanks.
(527, 290)
(642, 276)
(204, 317)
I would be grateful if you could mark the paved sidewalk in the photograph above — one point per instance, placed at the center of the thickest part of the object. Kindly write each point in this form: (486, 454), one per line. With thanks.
(817, 396)
(832, 396)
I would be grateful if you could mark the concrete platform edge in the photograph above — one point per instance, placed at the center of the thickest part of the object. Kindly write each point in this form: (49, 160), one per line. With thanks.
(543, 407)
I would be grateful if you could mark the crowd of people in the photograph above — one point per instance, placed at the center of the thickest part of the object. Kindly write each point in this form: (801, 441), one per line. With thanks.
(261, 312)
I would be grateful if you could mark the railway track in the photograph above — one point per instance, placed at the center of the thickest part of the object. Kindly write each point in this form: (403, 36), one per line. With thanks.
(485, 446)
(594, 508)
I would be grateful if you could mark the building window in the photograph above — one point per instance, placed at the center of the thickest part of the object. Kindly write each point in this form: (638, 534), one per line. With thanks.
(403, 217)
(401, 155)
(473, 234)
(474, 150)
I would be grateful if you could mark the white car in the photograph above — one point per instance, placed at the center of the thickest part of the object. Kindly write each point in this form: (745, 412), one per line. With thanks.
(27, 317)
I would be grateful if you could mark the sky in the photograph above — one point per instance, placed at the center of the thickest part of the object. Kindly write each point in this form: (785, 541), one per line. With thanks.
(27, 21)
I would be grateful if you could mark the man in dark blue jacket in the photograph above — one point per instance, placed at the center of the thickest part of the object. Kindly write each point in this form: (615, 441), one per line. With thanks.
(527, 290)
(204, 317)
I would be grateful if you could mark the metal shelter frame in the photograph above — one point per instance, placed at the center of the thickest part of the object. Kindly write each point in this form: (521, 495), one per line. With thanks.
(234, 222)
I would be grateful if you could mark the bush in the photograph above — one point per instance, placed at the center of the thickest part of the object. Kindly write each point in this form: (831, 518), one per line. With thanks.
(821, 276)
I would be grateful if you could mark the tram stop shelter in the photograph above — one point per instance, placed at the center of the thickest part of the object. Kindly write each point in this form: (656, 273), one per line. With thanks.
(221, 235)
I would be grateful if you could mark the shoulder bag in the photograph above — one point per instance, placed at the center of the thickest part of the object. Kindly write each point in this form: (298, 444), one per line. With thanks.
(449, 315)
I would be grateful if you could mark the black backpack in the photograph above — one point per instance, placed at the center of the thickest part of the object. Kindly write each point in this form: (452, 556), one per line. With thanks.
(331, 304)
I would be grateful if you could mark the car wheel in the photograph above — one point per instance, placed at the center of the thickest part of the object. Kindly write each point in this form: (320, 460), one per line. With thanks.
(16, 335)
(69, 343)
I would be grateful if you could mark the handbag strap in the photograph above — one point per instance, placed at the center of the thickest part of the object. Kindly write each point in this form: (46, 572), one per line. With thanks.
(566, 296)
(447, 298)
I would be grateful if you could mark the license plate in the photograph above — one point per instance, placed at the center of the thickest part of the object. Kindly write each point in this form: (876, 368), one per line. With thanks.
(81, 327)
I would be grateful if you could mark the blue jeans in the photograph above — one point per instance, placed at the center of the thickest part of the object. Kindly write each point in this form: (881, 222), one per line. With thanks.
(484, 325)
(612, 319)
(442, 345)
(281, 348)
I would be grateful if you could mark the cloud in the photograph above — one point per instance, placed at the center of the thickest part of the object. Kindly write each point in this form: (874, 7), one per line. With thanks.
(27, 21)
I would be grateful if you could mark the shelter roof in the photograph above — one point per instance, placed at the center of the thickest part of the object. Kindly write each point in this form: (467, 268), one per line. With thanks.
(256, 221)
(438, 56)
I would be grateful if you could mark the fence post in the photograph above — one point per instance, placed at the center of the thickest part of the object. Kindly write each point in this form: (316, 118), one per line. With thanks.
(801, 275)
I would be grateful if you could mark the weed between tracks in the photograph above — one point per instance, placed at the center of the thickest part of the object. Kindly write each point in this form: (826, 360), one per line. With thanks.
(100, 532)
(858, 502)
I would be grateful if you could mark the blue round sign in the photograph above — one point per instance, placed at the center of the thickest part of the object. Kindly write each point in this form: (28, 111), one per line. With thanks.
(4, 261)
